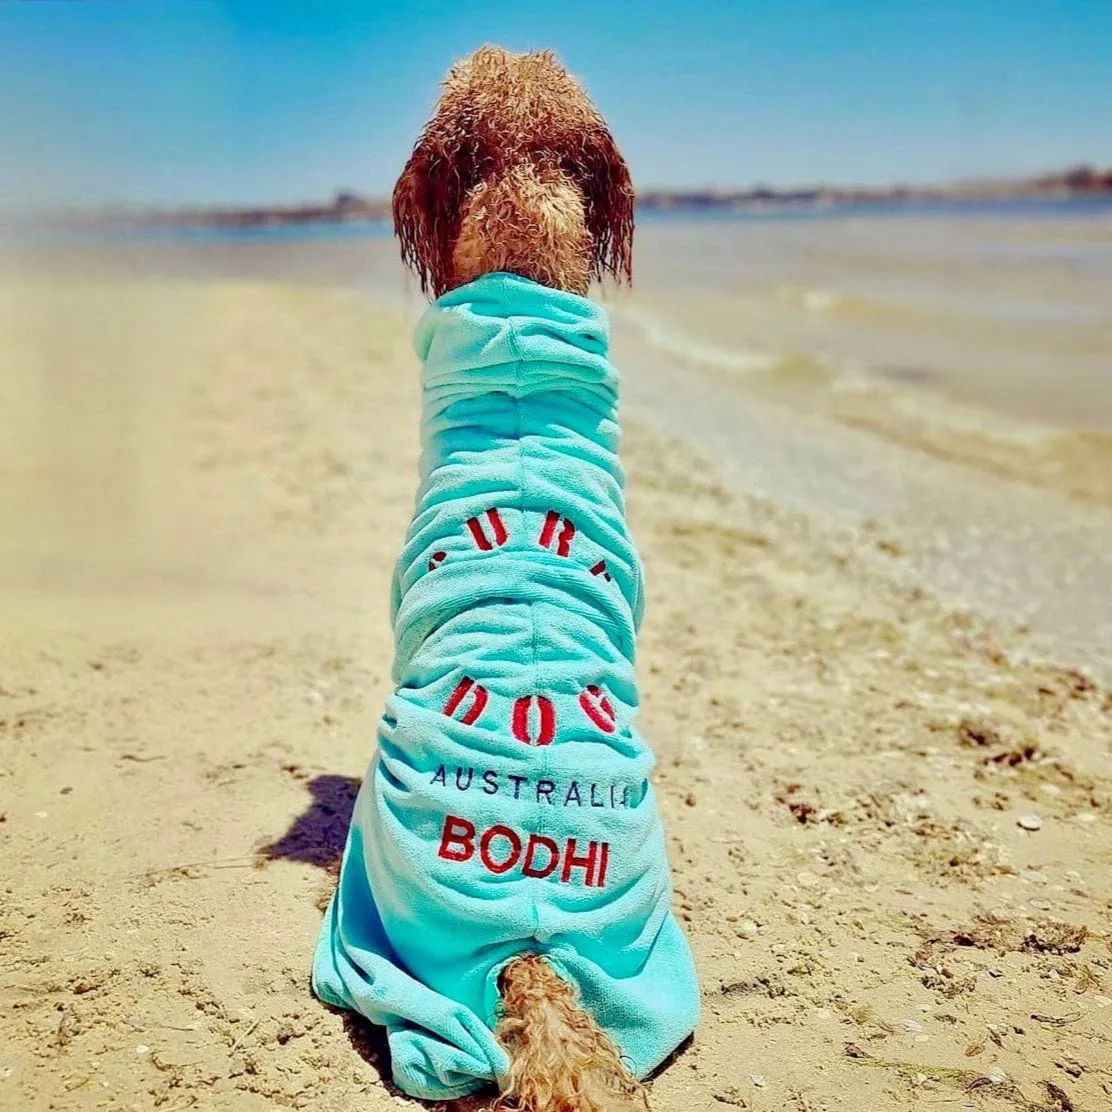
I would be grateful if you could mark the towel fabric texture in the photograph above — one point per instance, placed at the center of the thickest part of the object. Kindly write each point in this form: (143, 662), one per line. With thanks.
(507, 807)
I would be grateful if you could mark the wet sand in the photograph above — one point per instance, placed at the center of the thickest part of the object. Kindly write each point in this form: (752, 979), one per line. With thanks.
(973, 534)
(888, 809)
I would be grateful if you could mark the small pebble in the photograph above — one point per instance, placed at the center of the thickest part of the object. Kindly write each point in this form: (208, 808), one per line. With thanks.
(997, 1076)
(1086, 816)
(1029, 822)
(748, 929)
(141, 1049)
(912, 1025)
(757, 1080)
(1032, 876)
(807, 880)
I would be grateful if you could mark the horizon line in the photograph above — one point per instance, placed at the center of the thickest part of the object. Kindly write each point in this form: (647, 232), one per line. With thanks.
(1081, 176)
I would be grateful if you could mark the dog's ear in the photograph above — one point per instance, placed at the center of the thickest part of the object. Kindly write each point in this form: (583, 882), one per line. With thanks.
(423, 204)
(428, 199)
(603, 176)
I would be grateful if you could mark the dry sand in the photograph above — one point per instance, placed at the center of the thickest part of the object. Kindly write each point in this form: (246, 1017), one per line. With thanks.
(202, 489)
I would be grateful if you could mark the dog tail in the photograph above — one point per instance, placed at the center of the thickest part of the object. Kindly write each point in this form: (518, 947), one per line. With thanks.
(561, 1060)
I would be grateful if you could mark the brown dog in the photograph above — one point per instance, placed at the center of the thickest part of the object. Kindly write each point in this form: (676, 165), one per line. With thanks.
(517, 172)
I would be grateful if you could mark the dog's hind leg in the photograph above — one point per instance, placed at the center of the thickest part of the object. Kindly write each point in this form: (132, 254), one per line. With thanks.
(561, 1060)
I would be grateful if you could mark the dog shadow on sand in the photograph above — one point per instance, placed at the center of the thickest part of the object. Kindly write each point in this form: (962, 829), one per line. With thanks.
(317, 837)
(318, 834)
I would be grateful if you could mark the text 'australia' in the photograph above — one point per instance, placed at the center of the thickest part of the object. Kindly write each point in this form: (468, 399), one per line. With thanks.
(570, 793)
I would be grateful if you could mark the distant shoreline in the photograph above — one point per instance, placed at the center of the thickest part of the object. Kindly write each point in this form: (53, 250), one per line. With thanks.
(346, 207)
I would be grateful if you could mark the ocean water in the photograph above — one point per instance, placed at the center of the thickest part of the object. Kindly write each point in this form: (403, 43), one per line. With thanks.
(980, 331)
(977, 333)
(1009, 307)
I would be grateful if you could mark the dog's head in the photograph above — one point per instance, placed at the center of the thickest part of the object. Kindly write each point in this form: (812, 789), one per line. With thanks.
(516, 171)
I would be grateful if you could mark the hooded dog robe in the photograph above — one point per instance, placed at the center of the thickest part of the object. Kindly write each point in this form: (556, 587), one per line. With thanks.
(507, 808)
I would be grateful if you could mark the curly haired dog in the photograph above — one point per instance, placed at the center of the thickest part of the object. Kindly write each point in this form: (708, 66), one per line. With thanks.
(503, 908)
(515, 172)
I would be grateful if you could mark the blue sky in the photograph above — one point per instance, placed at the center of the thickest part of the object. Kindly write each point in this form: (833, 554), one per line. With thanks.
(168, 101)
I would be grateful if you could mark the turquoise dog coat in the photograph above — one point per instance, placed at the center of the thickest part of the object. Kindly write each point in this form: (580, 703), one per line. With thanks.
(508, 807)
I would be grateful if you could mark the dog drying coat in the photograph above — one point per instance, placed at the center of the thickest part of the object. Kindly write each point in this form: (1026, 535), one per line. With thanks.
(508, 808)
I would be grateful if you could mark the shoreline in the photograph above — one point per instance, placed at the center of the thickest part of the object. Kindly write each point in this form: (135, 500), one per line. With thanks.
(987, 541)
(1077, 184)
(935, 474)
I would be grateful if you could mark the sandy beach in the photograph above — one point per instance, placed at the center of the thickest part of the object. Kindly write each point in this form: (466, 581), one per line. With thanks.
(889, 811)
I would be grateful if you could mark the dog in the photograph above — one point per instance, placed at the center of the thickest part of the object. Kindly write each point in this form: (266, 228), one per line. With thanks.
(504, 899)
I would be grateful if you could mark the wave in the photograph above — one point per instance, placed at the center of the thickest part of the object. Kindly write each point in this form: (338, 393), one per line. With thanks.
(675, 342)
(1075, 463)
(812, 299)
(919, 414)
(906, 404)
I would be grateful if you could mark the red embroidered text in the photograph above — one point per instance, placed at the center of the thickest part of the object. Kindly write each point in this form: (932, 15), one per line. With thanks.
(501, 848)
(470, 695)
(498, 535)
(563, 538)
